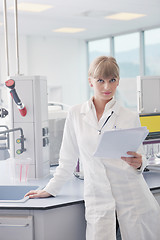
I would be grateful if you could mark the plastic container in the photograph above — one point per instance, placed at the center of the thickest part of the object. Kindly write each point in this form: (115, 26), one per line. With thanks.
(21, 169)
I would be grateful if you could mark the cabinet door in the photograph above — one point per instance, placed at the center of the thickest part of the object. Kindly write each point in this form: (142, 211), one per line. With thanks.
(16, 227)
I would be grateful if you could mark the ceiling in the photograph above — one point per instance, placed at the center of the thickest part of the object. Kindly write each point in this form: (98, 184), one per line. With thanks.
(87, 14)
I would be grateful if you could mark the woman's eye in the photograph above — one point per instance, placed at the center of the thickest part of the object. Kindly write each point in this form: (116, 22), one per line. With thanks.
(100, 80)
(112, 80)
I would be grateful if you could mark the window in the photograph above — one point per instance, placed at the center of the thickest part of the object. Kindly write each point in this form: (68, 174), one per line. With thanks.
(98, 48)
(127, 54)
(152, 52)
(126, 93)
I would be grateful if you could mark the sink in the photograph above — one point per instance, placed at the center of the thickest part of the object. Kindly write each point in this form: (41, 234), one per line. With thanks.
(15, 193)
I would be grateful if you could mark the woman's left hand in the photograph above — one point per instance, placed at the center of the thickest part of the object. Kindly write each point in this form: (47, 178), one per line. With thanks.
(135, 160)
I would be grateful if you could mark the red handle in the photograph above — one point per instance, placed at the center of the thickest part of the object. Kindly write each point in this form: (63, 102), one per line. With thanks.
(10, 83)
(23, 111)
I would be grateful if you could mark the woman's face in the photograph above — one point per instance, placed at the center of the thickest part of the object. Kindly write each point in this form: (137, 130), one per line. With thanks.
(104, 89)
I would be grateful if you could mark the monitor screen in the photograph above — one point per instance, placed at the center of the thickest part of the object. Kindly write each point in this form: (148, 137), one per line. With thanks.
(152, 122)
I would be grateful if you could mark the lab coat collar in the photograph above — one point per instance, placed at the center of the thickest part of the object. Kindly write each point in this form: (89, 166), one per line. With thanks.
(113, 105)
(89, 115)
(108, 106)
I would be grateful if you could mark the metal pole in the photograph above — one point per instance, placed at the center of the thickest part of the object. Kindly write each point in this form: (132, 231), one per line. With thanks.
(112, 48)
(6, 35)
(16, 35)
(142, 54)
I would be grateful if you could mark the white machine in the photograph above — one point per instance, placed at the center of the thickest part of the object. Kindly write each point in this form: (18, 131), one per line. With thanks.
(57, 117)
(31, 146)
(33, 91)
(148, 94)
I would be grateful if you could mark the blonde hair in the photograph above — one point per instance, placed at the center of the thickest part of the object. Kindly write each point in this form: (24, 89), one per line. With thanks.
(103, 67)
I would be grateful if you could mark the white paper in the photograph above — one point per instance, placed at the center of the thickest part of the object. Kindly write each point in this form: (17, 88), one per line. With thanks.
(116, 143)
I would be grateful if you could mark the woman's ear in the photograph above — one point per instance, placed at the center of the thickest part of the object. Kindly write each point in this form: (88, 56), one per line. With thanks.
(90, 82)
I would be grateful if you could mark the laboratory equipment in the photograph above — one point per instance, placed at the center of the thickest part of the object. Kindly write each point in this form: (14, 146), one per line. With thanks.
(79, 173)
(57, 116)
(34, 124)
(4, 146)
(4, 143)
(152, 141)
(148, 94)
(57, 113)
(152, 121)
(148, 106)
(11, 85)
(3, 112)
(34, 121)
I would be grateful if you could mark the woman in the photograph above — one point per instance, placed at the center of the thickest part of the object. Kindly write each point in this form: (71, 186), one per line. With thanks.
(114, 186)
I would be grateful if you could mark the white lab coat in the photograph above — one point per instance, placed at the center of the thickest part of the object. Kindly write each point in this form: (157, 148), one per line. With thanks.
(109, 185)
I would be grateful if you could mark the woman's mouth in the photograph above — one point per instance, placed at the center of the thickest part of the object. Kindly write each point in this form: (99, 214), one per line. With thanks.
(106, 93)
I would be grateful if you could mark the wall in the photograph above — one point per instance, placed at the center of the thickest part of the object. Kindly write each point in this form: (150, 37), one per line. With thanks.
(62, 61)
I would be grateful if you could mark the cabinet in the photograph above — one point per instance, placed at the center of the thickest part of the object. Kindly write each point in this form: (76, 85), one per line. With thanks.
(16, 227)
(157, 196)
(58, 223)
(62, 223)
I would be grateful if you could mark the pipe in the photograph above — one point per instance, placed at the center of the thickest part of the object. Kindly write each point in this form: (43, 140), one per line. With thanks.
(21, 136)
(16, 36)
(4, 137)
(6, 35)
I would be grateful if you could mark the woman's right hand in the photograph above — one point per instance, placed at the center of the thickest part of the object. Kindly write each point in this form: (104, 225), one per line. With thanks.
(37, 194)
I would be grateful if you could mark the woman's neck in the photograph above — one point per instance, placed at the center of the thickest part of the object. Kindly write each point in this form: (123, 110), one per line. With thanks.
(99, 106)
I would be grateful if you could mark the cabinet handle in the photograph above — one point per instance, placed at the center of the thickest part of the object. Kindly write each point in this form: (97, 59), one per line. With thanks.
(13, 225)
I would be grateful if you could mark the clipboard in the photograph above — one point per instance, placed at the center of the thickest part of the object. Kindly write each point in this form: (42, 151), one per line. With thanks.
(116, 143)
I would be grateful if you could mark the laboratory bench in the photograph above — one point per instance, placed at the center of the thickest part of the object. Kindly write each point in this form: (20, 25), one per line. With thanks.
(59, 218)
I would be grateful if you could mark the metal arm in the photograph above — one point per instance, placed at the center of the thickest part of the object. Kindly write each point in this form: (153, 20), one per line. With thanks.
(4, 137)
(21, 137)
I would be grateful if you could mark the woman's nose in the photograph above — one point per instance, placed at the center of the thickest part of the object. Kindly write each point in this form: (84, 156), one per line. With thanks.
(106, 85)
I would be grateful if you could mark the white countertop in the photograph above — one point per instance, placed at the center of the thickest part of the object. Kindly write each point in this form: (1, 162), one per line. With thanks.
(71, 193)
